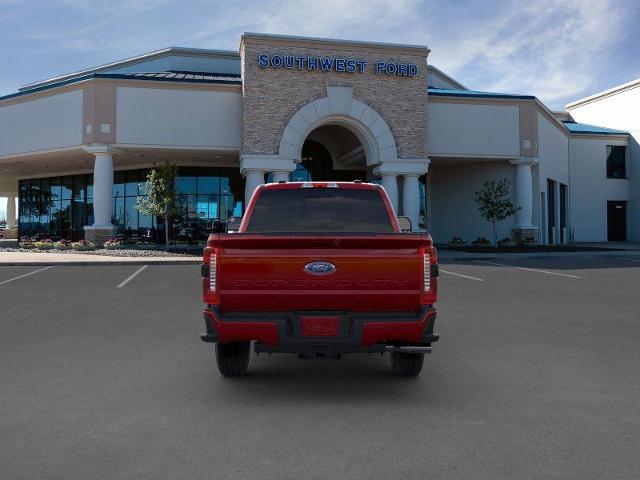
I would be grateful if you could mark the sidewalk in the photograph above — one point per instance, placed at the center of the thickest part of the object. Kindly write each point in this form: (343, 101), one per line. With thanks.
(32, 258)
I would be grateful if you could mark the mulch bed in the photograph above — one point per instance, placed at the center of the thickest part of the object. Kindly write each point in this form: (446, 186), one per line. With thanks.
(523, 249)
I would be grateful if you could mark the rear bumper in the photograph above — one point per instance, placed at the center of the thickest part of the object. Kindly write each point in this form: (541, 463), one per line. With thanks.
(359, 332)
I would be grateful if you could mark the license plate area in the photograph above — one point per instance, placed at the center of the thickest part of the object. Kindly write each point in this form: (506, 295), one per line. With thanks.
(320, 325)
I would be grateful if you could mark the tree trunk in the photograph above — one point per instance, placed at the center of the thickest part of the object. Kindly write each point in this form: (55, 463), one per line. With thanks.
(166, 230)
(495, 235)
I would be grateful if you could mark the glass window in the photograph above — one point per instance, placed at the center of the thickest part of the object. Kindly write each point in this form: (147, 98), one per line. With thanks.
(24, 203)
(131, 215)
(190, 205)
(51, 188)
(320, 210)
(77, 214)
(227, 207)
(209, 185)
(131, 185)
(142, 183)
(65, 218)
(616, 161)
(90, 218)
(118, 184)
(46, 202)
(301, 174)
(144, 221)
(186, 184)
(64, 205)
(118, 214)
(422, 185)
(67, 188)
(90, 186)
(79, 187)
(226, 186)
(55, 217)
(207, 206)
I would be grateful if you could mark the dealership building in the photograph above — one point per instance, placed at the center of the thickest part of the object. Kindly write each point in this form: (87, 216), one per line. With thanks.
(76, 149)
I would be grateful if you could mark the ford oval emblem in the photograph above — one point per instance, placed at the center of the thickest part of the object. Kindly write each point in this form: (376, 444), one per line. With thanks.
(320, 268)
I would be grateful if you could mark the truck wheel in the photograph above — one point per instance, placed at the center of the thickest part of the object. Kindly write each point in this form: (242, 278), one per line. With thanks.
(407, 364)
(233, 358)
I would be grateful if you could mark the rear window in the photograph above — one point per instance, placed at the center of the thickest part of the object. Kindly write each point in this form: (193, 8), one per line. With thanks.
(319, 210)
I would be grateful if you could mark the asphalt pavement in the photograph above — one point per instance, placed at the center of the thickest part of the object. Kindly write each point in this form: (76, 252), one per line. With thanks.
(103, 376)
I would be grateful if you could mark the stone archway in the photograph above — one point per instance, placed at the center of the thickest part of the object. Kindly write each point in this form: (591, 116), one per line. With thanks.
(340, 108)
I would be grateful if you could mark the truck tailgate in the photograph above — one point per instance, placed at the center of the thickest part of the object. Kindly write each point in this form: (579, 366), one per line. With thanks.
(266, 273)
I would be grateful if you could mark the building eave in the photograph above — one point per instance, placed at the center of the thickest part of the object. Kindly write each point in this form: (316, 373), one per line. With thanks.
(115, 76)
(605, 93)
(448, 78)
(488, 97)
(133, 61)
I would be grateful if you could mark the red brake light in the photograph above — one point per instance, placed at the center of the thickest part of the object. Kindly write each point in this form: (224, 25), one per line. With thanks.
(319, 185)
(428, 282)
(210, 284)
(426, 269)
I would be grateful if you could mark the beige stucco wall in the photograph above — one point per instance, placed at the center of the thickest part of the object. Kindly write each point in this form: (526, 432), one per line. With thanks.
(453, 210)
(178, 117)
(619, 110)
(467, 129)
(590, 189)
(271, 96)
(54, 121)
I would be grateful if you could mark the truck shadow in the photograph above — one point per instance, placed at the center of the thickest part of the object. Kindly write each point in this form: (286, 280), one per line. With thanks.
(352, 380)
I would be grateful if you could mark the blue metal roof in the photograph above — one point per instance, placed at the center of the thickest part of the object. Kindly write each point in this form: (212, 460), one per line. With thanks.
(445, 92)
(575, 127)
(188, 77)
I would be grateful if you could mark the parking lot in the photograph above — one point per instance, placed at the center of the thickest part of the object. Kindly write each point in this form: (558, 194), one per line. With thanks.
(103, 375)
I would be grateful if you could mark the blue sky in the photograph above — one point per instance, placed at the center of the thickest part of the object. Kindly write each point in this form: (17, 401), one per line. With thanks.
(557, 50)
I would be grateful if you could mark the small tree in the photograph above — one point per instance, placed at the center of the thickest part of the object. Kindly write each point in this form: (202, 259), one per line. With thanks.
(161, 199)
(494, 203)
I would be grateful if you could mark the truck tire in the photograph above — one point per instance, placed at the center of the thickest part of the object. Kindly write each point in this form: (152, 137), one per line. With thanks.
(407, 364)
(233, 358)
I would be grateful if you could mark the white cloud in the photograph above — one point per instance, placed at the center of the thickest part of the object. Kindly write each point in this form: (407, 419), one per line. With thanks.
(545, 48)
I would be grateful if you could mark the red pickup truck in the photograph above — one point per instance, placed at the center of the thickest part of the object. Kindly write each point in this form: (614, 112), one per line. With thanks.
(320, 269)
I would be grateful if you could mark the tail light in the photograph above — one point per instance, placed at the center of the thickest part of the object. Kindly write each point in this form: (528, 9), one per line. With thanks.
(210, 277)
(426, 270)
(213, 272)
(430, 269)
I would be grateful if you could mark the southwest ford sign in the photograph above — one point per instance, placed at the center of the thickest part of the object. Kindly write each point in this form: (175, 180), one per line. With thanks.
(333, 64)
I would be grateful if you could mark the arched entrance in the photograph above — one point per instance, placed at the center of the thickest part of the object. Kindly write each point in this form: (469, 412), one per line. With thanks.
(332, 153)
(339, 137)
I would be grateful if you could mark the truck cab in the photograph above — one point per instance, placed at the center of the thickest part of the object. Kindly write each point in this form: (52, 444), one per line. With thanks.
(320, 269)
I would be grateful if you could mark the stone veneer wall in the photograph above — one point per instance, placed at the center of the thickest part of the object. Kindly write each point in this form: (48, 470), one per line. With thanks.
(271, 96)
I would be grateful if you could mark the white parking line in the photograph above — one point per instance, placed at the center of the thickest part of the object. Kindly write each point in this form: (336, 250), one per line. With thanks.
(25, 275)
(463, 276)
(529, 269)
(132, 276)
